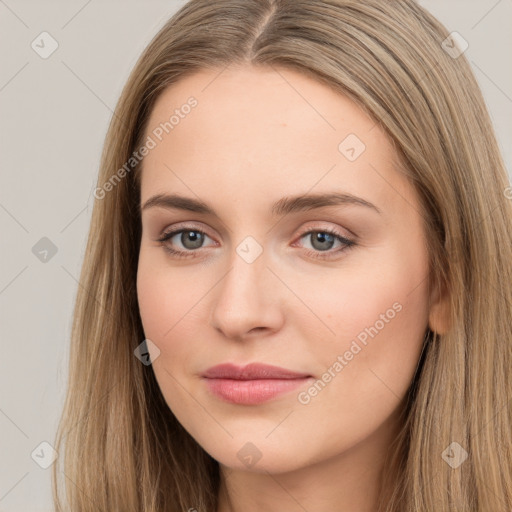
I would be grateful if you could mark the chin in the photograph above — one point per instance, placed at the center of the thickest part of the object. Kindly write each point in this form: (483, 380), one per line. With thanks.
(257, 457)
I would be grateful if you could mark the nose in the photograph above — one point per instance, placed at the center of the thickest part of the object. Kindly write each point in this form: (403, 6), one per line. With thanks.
(248, 300)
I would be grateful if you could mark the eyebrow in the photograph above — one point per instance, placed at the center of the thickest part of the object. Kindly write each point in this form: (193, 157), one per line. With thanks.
(284, 206)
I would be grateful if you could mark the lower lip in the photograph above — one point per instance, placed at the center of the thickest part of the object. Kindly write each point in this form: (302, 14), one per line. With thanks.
(251, 392)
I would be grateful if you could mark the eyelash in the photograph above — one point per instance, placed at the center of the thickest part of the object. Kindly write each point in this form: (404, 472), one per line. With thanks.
(315, 254)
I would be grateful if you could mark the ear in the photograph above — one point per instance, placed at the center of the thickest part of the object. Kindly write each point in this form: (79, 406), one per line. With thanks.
(439, 313)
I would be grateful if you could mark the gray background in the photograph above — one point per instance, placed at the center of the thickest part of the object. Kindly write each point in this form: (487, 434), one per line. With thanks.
(54, 116)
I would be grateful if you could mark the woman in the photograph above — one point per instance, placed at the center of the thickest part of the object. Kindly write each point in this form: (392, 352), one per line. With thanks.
(335, 333)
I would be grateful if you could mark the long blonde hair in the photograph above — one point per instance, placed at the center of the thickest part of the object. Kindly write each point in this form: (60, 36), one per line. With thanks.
(121, 447)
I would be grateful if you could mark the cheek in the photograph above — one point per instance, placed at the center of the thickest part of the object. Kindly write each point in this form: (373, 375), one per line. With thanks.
(153, 298)
(379, 318)
(170, 304)
(161, 307)
(163, 292)
(367, 369)
(159, 300)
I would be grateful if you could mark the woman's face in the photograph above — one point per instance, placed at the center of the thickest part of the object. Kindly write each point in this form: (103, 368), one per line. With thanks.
(335, 290)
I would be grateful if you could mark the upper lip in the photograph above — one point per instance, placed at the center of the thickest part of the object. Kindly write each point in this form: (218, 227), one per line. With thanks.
(251, 371)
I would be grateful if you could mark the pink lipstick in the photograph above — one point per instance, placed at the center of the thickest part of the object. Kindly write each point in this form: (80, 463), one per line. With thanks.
(252, 384)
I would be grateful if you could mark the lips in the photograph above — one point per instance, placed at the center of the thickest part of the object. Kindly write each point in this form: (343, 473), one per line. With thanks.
(253, 384)
(252, 371)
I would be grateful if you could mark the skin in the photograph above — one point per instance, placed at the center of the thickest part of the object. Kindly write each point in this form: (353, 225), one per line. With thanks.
(258, 135)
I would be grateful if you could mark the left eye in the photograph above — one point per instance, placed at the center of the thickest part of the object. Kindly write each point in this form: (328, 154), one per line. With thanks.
(324, 240)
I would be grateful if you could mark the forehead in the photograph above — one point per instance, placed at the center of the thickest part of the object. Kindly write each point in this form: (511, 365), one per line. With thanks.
(258, 132)
(260, 101)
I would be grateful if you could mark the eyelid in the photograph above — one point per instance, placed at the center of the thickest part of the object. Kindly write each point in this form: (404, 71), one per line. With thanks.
(321, 226)
(185, 226)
